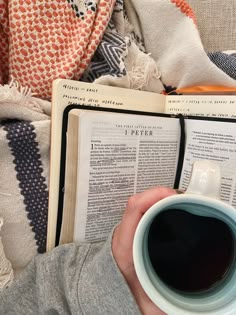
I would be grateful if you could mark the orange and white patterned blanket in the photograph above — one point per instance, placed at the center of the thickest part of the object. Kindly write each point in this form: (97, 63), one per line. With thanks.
(43, 40)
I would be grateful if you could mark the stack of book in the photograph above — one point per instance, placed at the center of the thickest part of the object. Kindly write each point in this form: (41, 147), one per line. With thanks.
(108, 143)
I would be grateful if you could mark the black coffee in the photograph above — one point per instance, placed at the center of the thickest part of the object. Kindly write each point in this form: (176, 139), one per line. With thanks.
(190, 253)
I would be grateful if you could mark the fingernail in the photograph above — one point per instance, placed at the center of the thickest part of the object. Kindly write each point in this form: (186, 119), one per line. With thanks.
(179, 191)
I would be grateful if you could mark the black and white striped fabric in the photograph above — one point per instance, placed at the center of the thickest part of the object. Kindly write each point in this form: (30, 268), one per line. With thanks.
(113, 48)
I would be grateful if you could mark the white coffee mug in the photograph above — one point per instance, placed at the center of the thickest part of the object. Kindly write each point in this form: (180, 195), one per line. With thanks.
(201, 199)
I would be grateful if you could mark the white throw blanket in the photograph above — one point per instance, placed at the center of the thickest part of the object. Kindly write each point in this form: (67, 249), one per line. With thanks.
(6, 271)
(174, 56)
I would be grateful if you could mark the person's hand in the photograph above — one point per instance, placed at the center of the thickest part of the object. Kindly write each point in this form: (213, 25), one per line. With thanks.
(122, 243)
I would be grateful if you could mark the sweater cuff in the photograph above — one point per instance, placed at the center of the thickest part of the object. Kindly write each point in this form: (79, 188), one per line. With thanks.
(102, 287)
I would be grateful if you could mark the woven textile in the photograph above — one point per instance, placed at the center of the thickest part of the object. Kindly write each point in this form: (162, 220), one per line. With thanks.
(44, 40)
(24, 169)
(159, 56)
(216, 23)
(225, 61)
(6, 271)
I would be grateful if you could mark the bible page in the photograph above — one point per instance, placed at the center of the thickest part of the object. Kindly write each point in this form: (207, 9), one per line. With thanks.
(67, 92)
(216, 141)
(120, 155)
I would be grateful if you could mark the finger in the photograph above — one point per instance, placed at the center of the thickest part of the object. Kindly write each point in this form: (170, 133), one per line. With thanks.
(144, 200)
(138, 205)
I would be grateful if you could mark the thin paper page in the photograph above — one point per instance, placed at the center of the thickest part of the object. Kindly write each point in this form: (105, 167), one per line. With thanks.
(212, 140)
(120, 155)
(66, 92)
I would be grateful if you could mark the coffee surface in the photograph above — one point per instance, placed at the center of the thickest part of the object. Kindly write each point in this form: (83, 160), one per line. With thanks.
(190, 253)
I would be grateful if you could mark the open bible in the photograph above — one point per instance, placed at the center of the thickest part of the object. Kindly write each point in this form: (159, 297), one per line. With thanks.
(103, 155)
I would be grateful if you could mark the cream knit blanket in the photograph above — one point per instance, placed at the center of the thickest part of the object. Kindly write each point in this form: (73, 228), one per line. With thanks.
(6, 271)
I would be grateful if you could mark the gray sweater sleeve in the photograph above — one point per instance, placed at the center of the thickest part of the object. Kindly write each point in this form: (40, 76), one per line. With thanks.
(71, 279)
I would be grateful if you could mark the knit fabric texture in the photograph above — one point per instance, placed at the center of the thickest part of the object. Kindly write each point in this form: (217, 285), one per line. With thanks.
(44, 40)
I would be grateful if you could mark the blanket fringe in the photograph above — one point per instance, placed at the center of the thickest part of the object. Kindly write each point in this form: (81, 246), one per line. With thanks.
(141, 74)
(6, 271)
(14, 93)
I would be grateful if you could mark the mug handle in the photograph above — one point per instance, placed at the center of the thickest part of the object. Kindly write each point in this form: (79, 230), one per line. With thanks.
(205, 179)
